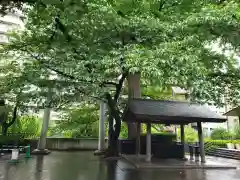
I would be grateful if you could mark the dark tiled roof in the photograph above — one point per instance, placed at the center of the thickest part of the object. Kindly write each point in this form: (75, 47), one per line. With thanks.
(233, 112)
(161, 111)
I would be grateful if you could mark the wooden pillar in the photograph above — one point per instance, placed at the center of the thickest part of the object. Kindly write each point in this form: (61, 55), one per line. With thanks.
(183, 139)
(201, 142)
(138, 140)
(148, 143)
(134, 91)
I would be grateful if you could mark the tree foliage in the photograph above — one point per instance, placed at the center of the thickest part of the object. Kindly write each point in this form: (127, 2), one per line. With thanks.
(191, 135)
(81, 121)
(27, 126)
(221, 134)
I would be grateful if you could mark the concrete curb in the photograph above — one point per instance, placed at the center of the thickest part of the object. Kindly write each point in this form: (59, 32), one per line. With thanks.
(40, 152)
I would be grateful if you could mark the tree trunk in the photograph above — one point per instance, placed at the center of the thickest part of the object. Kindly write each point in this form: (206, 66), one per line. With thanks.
(114, 114)
(4, 129)
(114, 129)
(6, 125)
(134, 91)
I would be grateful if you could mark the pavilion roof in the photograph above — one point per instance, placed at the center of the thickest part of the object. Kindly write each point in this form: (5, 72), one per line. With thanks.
(233, 112)
(169, 112)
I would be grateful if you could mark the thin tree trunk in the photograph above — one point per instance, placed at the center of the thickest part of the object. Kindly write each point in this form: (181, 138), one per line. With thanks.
(114, 131)
(6, 125)
(4, 130)
(114, 115)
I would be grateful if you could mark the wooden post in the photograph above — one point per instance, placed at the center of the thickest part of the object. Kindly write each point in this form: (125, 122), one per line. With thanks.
(149, 143)
(201, 142)
(183, 138)
(138, 140)
(134, 91)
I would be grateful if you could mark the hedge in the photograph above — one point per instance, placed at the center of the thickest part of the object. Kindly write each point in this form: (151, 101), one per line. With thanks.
(222, 143)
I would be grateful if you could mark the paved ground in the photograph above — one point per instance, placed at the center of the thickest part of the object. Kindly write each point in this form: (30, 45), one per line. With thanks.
(156, 163)
(84, 166)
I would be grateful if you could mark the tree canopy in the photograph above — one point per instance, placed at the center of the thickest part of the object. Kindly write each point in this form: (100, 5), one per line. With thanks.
(94, 42)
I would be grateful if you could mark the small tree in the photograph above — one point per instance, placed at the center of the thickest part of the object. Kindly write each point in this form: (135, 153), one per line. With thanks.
(81, 121)
(237, 133)
(27, 126)
(221, 134)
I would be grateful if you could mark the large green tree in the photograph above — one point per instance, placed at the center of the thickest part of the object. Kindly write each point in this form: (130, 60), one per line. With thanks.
(96, 44)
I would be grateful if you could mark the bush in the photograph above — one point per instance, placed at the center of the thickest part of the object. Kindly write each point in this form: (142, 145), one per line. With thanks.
(27, 126)
(191, 135)
(237, 133)
(124, 131)
(221, 143)
(221, 134)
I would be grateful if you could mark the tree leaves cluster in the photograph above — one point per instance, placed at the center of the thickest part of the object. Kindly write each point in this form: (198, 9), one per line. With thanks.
(80, 121)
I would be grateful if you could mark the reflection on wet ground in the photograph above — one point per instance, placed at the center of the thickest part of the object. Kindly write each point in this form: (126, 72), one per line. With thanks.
(85, 166)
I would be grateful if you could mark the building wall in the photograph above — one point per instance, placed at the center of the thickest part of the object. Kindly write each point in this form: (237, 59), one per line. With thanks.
(9, 22)
(230, 125)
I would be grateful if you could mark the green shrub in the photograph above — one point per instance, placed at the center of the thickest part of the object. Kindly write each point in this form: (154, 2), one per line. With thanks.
(237, 133)
(191, 135)
(27, 126)
(221, 134)
(221, 143)
(124, 131)
(209, 146)
(167, 136)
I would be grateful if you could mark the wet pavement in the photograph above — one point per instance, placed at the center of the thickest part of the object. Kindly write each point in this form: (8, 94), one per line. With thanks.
(85, 166)
(156, 163)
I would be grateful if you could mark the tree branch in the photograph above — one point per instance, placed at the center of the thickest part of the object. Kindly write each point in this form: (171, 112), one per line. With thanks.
(161, 5)
(14, 116)
(104, 83)
(119, 86)
(226, 75)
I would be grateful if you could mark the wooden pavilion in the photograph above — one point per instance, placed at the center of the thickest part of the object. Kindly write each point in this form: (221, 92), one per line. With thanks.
(169, 112)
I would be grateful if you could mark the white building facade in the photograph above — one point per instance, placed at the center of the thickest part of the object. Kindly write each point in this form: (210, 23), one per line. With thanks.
(9, 22)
